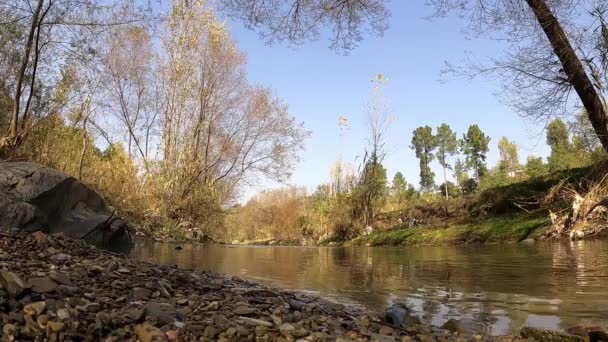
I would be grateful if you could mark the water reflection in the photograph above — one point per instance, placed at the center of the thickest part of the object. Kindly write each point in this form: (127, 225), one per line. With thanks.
(499, 288)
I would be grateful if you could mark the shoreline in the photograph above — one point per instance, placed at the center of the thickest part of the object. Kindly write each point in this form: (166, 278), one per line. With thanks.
(55, 288)
(62, 289)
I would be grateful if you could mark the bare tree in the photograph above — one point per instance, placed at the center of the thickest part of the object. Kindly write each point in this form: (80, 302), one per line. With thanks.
(218, 130)
(129, 69)
(298, 20)
(547, 58)
(59, 32)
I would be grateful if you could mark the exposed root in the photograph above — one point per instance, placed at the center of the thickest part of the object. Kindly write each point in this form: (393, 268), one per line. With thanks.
(586, 213)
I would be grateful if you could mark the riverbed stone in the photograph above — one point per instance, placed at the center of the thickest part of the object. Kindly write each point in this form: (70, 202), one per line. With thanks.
(162, 312)
(149, 333)
(60, 278)
(12, 283)
(139, 293)
(35, 309)
(549, 336)
(42, 284)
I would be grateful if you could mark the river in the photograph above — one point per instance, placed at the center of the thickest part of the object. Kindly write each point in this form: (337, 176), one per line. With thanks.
(496, 288)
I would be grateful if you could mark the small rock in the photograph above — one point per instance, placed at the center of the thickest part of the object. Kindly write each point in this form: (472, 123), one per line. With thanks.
(296, 304)
(52, 250)
(182, 301)
(286, 329)
(92, 307)
(172, 335)
(40, 237)
(55, 326)
(385, 330)
(69, 291)
(139, 293)
(42, 284)
(210, 332)
(148, 333)
(59, 258)
(35, 309)
(9, 330)
(395, 315)
(42, 321)
(60, 278)
(112, 266)
(255, 321)
(162, 312)
(211, 306)
(135, 314)
(11, 283)
(63, 314)
(547, 335)
(96, 270)
(243, 310)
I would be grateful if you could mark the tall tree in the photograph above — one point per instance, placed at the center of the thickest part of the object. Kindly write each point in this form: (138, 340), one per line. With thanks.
(509, 158)
(399, 189)
(475, 146)
(373, 177)
(535, 166)
(563, 154)
(424, 144)
(460, 173)
(447, 146)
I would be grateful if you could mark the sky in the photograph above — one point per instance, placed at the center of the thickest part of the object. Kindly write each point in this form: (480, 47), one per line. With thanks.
(320, 84)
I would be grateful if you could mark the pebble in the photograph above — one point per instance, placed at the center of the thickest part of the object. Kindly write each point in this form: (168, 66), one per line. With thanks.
(35, 309)
(11, 283)
(42, 284)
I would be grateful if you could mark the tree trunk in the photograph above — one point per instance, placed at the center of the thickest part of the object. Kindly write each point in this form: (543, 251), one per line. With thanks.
(573, 68)
(23, 68)
(445, 183)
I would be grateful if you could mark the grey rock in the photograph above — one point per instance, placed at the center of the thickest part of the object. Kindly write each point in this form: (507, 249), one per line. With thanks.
(396, 314)
(12, 283)
(162, 312)
(60, 278)
(63, 314)
(60, 258)
(139, 293)
(42, 284)
(37, 198)
(549, 336)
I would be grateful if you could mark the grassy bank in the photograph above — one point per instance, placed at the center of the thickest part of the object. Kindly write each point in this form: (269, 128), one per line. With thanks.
(515, 227)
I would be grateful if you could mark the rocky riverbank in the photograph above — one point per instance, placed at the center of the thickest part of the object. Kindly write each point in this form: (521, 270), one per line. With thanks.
(57, 289)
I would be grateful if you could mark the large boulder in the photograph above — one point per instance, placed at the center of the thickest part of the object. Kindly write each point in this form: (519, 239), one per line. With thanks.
(34, 197)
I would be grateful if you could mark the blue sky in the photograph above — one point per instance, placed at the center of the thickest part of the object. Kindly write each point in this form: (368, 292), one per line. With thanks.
(320, 85)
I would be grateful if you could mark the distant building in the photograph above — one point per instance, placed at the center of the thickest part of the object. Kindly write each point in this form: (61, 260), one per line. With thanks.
(516, 173)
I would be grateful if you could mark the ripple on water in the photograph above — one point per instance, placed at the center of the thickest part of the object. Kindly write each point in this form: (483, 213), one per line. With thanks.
(500, 287)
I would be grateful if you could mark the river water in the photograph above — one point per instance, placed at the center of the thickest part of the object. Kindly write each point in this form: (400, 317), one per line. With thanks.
(498, 288)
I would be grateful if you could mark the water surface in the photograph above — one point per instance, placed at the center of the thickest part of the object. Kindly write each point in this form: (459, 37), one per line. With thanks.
(499, 287)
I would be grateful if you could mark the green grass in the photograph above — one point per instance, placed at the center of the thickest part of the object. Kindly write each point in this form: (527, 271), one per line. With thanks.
(496, 229)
